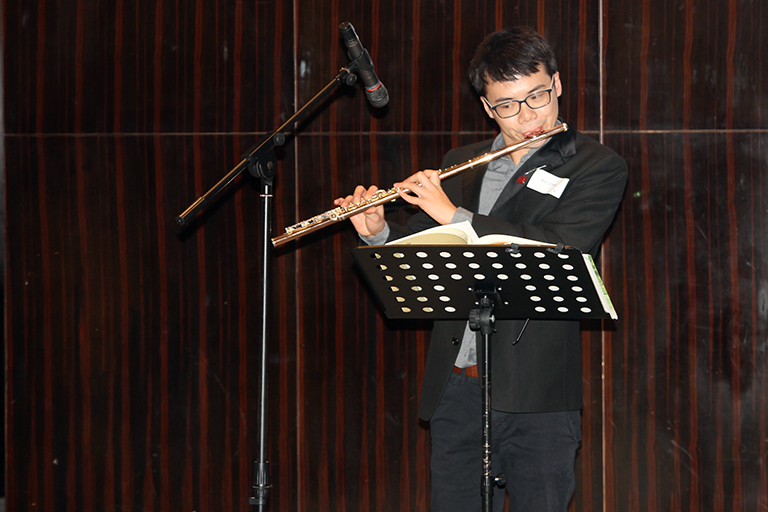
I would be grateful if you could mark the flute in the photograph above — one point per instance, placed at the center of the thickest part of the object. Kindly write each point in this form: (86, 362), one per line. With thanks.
(383, 196)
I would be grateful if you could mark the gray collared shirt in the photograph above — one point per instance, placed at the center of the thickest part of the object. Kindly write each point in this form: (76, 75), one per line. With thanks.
(497, 176)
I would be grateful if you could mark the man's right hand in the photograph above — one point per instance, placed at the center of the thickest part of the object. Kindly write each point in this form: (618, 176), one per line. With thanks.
(369, 222)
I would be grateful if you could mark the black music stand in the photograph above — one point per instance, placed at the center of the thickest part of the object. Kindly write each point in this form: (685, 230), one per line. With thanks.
(481, 283)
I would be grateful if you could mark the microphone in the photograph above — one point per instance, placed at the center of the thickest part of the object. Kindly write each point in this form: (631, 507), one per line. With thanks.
(374, 89)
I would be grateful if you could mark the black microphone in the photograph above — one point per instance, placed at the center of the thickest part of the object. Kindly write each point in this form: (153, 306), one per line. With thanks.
(374, 89)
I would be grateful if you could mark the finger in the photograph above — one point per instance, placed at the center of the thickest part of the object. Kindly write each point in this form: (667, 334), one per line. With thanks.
(408, 196)
(412, 180)
(370, 192)
(412, 184)
(424, 178)
(358, 193)
(432, 176)
(342, 201)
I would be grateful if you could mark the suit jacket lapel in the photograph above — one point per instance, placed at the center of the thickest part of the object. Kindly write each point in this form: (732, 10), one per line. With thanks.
(550, 156)
(512, 187)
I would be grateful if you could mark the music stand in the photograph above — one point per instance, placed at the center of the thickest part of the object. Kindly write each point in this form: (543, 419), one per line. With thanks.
(480, 283)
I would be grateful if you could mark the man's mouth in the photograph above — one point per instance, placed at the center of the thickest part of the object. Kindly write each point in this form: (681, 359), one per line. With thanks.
(532, 133)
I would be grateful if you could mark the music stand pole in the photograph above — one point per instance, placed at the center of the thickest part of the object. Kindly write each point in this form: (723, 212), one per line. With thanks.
(482, 320)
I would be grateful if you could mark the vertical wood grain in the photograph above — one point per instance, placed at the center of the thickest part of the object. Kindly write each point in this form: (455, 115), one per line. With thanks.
(680, 364)
(131, 344)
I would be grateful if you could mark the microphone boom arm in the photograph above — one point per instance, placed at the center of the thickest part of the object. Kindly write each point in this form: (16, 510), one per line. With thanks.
(263, 150)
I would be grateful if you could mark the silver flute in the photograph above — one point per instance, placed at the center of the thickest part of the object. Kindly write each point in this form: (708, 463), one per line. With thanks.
(383, 196)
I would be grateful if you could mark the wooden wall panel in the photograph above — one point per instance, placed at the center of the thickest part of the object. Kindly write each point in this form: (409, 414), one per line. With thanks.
(686, 369)
(359, 374)
(163, 68)
(421, 52)
(589, 459)
(132, 344)
(681, 65)
(685, 378)
(153, 66)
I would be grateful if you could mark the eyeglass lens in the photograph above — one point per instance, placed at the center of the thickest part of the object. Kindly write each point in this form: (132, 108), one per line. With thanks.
(512, 107)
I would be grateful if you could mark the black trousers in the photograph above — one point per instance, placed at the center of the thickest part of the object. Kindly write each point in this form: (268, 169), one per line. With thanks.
(535, 451)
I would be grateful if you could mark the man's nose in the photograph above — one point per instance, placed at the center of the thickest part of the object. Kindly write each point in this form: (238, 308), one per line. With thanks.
(526, 112)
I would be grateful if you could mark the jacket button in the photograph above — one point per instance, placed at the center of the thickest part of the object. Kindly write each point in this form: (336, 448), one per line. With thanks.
(455, 341)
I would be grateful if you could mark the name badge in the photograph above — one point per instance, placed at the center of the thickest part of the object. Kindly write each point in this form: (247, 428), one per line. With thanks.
(547, 183)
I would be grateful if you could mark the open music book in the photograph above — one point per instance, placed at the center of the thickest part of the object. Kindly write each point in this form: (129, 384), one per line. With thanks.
(463, 233)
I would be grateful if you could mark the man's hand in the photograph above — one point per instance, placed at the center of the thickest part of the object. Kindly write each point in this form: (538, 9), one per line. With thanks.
(369, 222)
(426, 192)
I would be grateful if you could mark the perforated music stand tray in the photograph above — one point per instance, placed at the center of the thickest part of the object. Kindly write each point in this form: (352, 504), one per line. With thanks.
(482, 283)
(441, 282)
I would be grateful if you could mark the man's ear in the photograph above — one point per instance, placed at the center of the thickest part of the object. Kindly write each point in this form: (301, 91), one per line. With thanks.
(557, 85)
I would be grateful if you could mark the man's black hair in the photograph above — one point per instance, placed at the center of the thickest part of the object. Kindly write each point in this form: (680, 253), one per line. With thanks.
(508, 55)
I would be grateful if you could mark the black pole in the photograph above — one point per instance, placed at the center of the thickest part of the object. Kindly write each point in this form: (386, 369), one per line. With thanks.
(482, 320)
(261, 483)
(261, 162)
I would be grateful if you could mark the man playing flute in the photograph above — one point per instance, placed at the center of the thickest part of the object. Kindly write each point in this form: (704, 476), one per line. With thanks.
(564, 189)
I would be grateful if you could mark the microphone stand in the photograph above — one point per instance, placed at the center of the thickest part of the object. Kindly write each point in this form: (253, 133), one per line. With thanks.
(261, 162)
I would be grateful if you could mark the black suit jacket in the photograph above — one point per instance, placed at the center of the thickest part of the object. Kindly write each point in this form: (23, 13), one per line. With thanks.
(542, 372)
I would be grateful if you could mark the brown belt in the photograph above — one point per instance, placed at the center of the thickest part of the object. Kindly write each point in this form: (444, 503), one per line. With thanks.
(469, 371)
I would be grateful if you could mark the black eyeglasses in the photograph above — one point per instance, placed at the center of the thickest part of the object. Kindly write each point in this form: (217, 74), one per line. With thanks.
(511, 108)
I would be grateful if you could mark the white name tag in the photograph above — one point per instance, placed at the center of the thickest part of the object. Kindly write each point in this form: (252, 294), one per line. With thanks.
(547, 183)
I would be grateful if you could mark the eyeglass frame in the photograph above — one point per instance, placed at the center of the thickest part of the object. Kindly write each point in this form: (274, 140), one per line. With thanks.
(524, 100)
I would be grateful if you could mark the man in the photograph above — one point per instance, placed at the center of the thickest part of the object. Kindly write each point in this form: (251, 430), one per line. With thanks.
(564, 189)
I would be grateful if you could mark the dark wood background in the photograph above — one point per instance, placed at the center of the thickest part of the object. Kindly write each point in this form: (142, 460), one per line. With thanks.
(132, 344)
